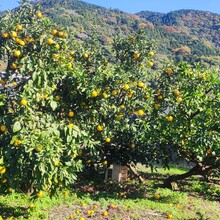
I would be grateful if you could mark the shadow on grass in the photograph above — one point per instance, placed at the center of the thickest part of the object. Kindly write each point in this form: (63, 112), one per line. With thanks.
(12, 212)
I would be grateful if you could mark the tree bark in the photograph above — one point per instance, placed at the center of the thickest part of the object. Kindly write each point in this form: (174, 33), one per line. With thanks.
(134, 171)
(199, 169)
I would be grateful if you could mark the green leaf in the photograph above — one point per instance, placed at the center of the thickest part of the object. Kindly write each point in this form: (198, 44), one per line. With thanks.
(53, 105)
(17, 126)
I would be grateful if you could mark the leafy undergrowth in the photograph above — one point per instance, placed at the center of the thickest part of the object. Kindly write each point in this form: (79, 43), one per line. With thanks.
(110, 200)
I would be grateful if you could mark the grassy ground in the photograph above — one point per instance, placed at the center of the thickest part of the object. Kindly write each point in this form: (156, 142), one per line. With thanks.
(131, 200)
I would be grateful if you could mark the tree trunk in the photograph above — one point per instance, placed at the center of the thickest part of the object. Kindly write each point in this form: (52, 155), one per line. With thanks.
(199, 169)
(134, 171)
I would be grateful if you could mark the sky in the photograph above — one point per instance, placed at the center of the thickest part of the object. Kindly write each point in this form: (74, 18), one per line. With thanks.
(133, 6)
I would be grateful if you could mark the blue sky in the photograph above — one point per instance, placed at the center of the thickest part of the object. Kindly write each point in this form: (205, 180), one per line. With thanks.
(133, 6)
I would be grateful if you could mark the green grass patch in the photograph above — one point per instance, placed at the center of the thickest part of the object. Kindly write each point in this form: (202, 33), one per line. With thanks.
(131, 200)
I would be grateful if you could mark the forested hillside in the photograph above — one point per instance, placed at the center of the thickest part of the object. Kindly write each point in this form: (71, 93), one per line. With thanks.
(181, 35)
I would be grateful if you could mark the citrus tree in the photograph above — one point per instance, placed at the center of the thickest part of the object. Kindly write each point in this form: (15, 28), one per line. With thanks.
(39, 142)
(188, 116)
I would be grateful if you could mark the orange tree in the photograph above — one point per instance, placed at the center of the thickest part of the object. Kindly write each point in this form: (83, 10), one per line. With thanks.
(38, 143)
(111, 99)
(63, 106)
(187, 118)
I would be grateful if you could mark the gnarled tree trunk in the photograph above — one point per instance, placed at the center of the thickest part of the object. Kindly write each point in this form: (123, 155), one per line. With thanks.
(199, 169)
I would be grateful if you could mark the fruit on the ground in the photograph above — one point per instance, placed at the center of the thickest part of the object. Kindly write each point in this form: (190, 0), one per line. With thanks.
(169, 216)
(105, 213)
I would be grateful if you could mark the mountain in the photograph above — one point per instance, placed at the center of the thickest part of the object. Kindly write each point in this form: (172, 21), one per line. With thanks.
(182, 35)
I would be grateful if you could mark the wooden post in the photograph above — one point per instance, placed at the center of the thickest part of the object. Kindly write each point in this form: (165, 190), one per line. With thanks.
(119, 173)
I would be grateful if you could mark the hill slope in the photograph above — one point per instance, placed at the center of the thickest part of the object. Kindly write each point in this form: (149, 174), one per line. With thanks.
(183, 35)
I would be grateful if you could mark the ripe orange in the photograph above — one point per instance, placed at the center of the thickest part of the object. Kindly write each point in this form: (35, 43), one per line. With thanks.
(100, 128)
(39, 194)
(176, 92)
(105, 162)
(147, 96)
(89, 212)
(21, 42)
(169, 216)
(169, 71)
(169, 118)
(179, 99)
(83, 204)
(54, 32)
(112, 205)
(140, 84)
(5, 35)
(136, 55)
(160, 97)
(31, 206)
(65, 193)
(140, 112)
(57, 163)
(133, 146)
(151, 53)
(18, 27)
(126, 87)
(71, 114)
(2, 170)
(55, 56)
(50, 41)
(39, 15)
(77, 211)
(94, 93)
(150, 64)
(10, 190)
(156, 196)
(85, 55)
(13, 34)
(57, 97)
(57, 46)
(72, 53)
(108, 140)
(209, 151)
(71, 216)
(39, 148)
(23, 102)
(105, 95)
(156, 105)
(17, 53)
(114, 92)
(13, 66)
(105, 213)
(3, 128)
(119, 116)
(17, 143)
